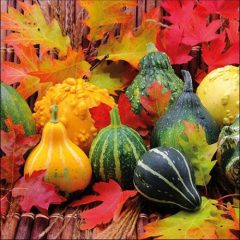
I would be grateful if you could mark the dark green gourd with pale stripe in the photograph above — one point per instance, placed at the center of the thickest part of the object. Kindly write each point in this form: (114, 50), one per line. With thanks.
(164, 175)
(115, 151)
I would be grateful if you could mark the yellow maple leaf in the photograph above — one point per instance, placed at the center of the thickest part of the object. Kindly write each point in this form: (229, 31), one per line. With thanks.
(32, 28)
(132, 46)
(102, 15)
(206, 223)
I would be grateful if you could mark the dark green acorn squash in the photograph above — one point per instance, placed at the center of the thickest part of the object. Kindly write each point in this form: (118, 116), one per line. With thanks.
(228, 153)
(115, 151)
(187, 107)
(155, 66)
(164, 175)
(16, 107)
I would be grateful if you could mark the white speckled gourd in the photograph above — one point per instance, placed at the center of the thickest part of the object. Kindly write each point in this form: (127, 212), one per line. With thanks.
(219, 94)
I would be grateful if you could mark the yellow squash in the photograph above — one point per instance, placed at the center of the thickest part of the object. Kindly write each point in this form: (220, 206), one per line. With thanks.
(74, 98)
(219, 93)
(67, 166)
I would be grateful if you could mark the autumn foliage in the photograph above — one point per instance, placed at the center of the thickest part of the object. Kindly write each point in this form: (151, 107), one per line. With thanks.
(186, 30)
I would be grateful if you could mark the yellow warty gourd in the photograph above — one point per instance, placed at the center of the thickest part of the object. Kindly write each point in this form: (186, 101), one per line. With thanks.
(67, 166)
(219, 93)
(74, 98)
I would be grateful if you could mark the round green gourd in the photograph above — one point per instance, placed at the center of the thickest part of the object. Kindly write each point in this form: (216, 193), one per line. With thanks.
(115, 151)
(164, 175)
(16, 107)
(228, 152)
(187, 107)
(155, 66)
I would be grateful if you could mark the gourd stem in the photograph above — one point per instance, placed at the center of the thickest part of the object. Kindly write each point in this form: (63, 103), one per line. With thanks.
(187, 81)
(54, 113)
(151, 48)
(115, 118)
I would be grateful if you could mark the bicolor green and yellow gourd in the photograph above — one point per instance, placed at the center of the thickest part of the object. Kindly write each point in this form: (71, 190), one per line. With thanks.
(115, 152)
(13, 105)
(74, 98)
(155, 66)
(67, 166)
(219, 94)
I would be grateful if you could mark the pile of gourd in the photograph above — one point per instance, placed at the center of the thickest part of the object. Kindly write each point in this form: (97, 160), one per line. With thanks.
(73, 152)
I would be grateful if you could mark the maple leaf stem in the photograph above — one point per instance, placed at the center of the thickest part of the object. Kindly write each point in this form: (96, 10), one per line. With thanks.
(229, 195)
(158, 23)
(98, 63)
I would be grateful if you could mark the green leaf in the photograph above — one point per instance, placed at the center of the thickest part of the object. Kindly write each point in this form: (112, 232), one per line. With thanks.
(195, 147)
(207, 223)
(113, 77)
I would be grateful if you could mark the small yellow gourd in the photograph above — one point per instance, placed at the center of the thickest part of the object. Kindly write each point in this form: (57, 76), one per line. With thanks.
(67, 166)
(74, 98)
(219, 94)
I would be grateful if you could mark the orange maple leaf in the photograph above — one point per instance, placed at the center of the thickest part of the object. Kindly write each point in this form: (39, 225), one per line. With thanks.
(156, 102)
(55, 71)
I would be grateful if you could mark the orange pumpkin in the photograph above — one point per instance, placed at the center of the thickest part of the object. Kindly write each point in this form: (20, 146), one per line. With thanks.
(74, 98)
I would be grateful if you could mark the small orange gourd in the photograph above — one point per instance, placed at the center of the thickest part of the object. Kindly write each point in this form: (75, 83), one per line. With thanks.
(67, 166)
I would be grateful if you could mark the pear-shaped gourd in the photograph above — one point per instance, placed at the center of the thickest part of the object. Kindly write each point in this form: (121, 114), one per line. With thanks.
(187, 107)
(163, 175)
(67, 166)
(115, 151)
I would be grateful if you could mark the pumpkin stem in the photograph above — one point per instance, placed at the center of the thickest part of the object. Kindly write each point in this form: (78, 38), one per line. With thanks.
(151, 48)
(115, 118)
(54, 113)
(187, 81)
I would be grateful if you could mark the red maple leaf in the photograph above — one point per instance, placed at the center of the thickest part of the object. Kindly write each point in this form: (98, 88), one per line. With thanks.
(169, 41)
(14, 144)
(215, 55)
(198, 30)
(200, 74)
(112, 198)
(180, 14)
(232, 32)
(101, 116)
(226, 8)
(33, 191)
(156, 102)
(141, 123)
(192, 18)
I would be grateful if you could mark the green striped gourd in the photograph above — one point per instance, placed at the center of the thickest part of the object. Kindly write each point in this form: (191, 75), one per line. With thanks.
(13, 105)
(164, 175)
(155, 66)
(228, 152)
(115, 151)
